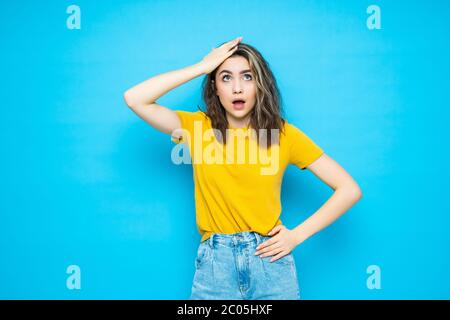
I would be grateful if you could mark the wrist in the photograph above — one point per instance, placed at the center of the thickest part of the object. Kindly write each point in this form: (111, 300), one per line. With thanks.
(300, 235)
(200, 67)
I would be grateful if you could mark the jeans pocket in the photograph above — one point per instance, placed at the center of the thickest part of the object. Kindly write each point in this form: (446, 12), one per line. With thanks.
(203, 253)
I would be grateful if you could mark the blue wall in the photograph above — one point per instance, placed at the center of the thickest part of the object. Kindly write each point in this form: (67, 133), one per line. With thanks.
(86, 182)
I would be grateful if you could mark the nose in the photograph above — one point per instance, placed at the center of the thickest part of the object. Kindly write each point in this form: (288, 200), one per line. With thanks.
(237, 88)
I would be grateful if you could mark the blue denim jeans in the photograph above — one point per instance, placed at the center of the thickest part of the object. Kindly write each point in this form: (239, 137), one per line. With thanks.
(227, 269)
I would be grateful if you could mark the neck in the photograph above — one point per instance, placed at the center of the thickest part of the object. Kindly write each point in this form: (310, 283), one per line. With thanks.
(238, 122)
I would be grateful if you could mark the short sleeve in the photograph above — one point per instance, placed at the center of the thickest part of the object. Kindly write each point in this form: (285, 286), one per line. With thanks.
(302, 150)
(187, 120)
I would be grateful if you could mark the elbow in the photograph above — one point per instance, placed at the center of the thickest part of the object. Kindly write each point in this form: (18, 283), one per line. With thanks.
(358, 193)
(127, 97)
(353, 192)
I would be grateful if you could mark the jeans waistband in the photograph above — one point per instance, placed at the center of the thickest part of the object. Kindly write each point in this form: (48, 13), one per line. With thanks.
(234, 239)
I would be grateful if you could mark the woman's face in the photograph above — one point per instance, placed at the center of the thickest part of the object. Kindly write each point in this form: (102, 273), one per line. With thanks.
(235, 81)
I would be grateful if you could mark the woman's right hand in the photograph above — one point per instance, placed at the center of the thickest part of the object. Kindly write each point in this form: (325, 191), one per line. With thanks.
(217, 55)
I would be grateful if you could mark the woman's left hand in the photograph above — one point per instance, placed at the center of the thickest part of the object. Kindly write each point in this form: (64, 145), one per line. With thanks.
(278, 245)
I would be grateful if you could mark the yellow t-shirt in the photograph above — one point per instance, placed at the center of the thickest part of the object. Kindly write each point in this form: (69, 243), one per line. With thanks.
(238, 185)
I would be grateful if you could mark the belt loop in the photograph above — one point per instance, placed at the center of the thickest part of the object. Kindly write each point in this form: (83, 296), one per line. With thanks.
(211, 241)
(258, 238)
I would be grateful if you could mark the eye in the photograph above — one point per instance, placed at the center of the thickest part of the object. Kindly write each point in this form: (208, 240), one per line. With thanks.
(245, 75)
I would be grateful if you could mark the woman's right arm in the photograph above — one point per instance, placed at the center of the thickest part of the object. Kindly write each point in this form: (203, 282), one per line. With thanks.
(142, 97)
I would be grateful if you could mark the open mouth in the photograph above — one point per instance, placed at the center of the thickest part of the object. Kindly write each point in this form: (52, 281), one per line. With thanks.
(238, 104)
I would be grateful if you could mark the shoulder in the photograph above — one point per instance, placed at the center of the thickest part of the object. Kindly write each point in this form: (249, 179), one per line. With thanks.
(302, 149)
(288, 127)
(187, 118)
(291, 131)
(296, 136)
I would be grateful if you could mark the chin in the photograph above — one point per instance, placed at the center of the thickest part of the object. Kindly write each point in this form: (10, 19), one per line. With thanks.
(239, 114)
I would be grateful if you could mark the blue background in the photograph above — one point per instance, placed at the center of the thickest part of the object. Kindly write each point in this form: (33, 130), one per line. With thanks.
(86, 182)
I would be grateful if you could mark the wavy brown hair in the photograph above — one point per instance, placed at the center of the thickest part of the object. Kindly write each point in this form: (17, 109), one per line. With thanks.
(267, 113)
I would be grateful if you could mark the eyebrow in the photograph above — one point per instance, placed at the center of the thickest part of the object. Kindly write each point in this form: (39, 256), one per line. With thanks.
(227, 71)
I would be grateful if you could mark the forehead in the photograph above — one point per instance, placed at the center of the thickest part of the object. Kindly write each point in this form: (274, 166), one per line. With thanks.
(234, 64)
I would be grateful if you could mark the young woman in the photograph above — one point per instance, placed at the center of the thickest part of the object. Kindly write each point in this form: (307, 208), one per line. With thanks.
(240, 148)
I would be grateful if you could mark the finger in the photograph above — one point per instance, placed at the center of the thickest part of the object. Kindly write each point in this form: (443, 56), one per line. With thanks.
(230, 52)
(278, 256)
(265, 244)
(273, 252)
(232, 43)
(269, 242)
(225, 44)
(276, 229)
(268, 248)
(236, 40)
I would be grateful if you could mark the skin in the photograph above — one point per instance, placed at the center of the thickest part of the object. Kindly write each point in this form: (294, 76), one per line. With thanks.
(236, 84)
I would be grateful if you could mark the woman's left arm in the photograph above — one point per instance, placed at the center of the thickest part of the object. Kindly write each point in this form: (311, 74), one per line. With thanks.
(346, 194)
